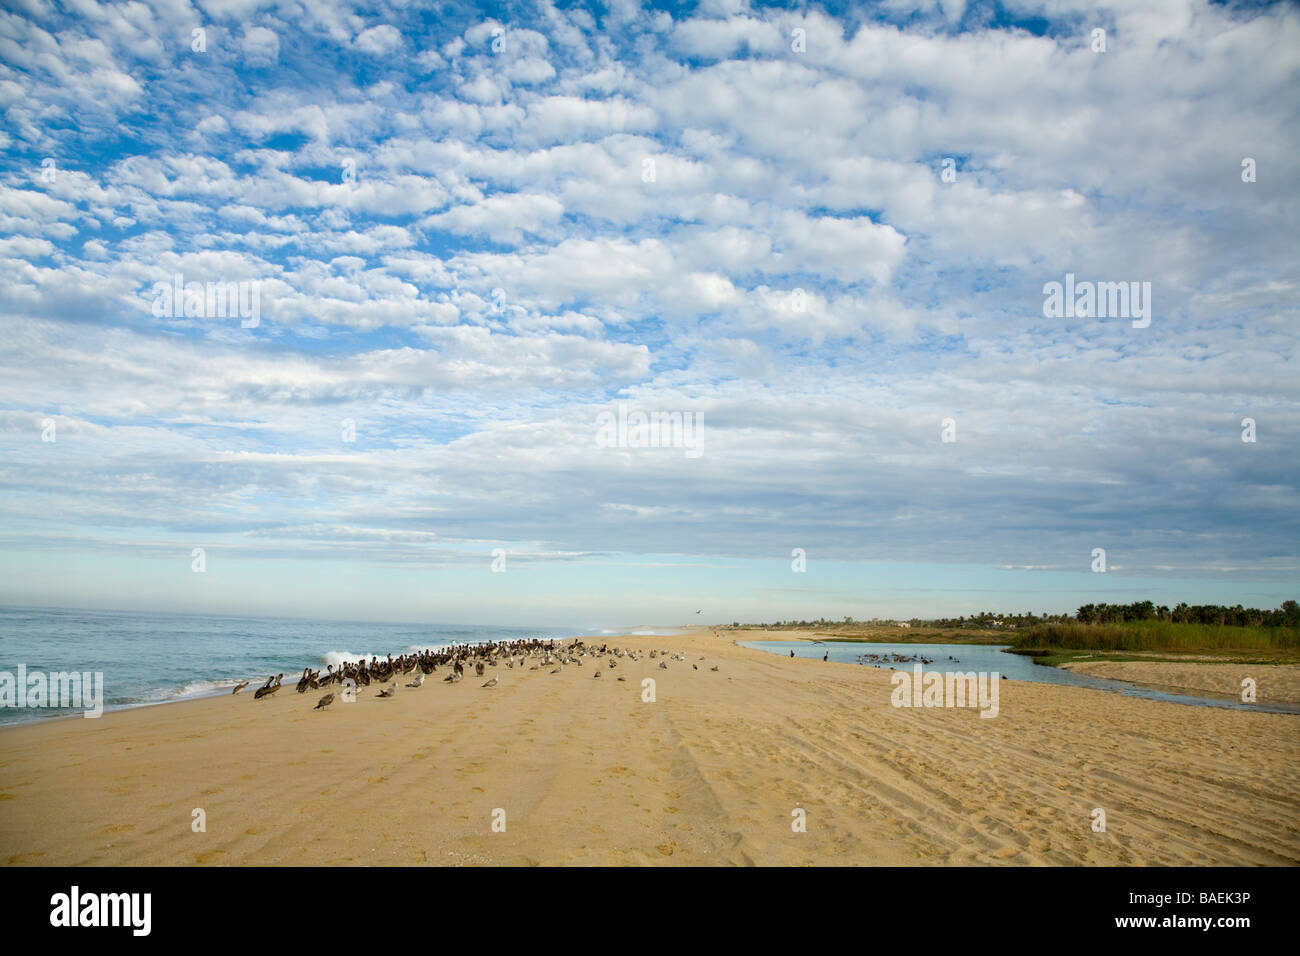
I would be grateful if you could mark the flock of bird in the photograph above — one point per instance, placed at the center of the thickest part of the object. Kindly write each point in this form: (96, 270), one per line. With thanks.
(525, 655)
(880, 660)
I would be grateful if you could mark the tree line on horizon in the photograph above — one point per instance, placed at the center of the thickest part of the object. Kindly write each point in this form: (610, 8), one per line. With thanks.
(1287, 615)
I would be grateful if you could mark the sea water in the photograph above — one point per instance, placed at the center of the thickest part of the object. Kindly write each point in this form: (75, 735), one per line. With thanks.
(149, 658)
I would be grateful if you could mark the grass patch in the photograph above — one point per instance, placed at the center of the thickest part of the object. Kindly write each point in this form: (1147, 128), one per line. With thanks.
(1054, 644)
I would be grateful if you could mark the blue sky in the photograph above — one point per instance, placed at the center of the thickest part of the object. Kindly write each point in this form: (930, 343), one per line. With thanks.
(472, 230)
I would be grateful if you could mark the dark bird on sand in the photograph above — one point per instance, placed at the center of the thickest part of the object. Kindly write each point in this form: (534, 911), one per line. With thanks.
(324, 702)
(239, 687)
(268, 688)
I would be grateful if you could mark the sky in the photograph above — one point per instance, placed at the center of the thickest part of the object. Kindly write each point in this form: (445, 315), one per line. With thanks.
(461, 241)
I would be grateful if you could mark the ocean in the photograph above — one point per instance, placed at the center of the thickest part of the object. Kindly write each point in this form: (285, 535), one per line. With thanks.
(154, 658)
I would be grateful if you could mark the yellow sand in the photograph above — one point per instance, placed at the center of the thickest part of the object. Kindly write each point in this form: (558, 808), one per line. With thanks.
(1274, 683)
(710, 773)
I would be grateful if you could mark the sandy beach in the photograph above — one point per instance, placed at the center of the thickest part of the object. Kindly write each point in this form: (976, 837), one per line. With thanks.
(1275, 683)
(711, 772)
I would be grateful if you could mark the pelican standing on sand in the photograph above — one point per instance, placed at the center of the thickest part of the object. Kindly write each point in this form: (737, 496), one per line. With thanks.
(268, 688)
(239, 687)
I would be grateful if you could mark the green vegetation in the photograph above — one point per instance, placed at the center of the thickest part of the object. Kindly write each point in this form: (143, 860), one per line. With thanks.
(1138, 631)
(1157, 637)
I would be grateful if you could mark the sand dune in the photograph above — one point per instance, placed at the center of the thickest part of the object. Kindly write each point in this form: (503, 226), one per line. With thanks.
(710, 773)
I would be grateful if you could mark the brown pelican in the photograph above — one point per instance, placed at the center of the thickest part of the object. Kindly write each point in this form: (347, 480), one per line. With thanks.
(324, 701)
(268, 688)
(239, 687)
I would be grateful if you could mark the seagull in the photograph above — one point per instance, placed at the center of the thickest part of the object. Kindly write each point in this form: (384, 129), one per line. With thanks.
(663, 665)
(389, 692)
(695, 667)
(556, 671)
(419, 679)
(714, 668)
(324, 702)
(597, 674)
(491, 683)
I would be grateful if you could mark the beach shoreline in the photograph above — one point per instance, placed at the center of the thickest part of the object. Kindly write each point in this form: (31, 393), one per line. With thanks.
(715, 770)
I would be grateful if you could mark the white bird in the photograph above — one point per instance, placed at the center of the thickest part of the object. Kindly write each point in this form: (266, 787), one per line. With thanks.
(491, 683)
(389, 692)
(419, 679)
